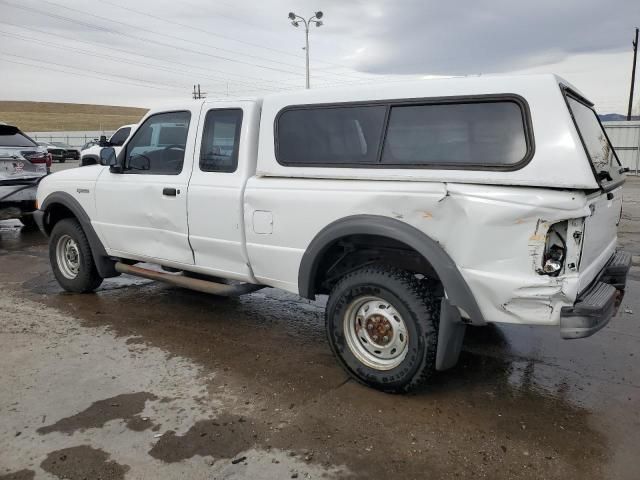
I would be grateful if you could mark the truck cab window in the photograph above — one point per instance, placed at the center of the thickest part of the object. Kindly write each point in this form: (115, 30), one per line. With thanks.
(221, 140)
(158, 146)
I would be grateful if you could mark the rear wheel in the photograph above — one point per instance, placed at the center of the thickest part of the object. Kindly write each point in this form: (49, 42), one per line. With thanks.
(62, 160)
(71, 258)
(382, 324)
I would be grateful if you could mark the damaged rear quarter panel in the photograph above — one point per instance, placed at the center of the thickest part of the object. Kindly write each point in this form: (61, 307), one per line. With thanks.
(496, 235)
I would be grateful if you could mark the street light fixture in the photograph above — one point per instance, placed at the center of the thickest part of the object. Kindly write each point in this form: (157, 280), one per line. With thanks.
(295, 21)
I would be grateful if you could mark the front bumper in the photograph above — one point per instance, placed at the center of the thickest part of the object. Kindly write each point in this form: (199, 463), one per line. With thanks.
(598, 303)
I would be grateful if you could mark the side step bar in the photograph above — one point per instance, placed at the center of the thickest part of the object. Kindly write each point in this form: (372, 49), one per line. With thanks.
(178, 280)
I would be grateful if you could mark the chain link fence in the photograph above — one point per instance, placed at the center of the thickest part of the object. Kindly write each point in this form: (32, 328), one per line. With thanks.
(625, 137)
(74, 139)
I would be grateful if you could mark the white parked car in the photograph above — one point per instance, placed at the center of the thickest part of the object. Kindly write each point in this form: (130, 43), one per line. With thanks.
(418, 209)
(91, 154)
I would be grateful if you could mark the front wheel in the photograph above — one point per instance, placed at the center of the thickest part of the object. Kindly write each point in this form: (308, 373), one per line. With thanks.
(62, 160)
(71, 258)
(382, 324)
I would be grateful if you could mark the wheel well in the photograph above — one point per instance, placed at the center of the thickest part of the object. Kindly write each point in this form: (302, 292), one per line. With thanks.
(54, 214)
(351, 252)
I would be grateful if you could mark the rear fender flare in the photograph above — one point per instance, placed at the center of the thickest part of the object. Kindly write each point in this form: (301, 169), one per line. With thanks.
(458, 292)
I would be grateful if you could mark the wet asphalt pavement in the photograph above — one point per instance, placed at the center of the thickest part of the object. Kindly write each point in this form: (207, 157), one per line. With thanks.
(141, 380)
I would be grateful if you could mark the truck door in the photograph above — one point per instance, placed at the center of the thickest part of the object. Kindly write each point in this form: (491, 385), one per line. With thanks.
(225, 158)
(142, 212)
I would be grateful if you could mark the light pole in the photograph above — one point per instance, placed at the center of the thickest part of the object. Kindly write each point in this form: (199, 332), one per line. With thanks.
(295, 21)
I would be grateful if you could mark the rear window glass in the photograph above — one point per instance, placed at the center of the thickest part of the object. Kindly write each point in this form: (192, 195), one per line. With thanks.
(330, 135)
(598, 147)
(490, 134)
(12, 137)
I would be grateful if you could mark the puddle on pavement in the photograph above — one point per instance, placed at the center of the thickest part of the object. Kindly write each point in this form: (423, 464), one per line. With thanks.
(24, 474)
(125, 407)
(82, 463)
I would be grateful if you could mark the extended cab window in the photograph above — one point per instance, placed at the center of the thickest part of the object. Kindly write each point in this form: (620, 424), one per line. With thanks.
(482, 134)
(159, 144)
(330, 135)
(221, 140)
(118, 138)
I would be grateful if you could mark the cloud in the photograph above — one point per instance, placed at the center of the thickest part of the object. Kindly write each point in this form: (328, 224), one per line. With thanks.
(464, 37)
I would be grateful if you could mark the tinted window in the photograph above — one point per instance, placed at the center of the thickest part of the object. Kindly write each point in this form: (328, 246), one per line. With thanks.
(159, 144)
(118, 138)
(593, 136)
(490, 134)
(12, 137)
(221, 140)
(333, 135)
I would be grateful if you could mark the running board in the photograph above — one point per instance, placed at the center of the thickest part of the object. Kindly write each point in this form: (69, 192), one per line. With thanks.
(179, 280)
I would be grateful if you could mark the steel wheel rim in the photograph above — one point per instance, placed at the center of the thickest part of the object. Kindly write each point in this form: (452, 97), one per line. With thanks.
(68, 257)
(376, 333)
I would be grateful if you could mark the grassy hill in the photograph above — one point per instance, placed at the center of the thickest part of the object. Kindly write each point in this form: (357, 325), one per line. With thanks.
(56, 117)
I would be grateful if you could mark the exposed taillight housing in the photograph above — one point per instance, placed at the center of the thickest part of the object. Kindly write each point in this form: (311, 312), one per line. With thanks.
(555, 250)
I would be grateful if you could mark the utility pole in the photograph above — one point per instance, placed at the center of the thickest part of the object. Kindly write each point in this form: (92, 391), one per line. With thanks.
(295, 21)
(633, 75)
(197, 94)
(306, 51)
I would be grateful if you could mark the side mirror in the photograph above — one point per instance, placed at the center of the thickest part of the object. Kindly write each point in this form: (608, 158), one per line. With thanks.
(108, 157)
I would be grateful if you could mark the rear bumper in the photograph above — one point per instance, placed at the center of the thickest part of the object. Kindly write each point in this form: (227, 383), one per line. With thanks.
(599, 303)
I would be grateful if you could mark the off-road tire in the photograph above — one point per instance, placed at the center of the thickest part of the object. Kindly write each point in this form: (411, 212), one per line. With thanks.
(416, 300)
(88, 278)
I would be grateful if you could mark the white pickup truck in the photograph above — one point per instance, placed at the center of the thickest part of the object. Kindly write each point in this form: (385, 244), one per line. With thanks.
(418, 208)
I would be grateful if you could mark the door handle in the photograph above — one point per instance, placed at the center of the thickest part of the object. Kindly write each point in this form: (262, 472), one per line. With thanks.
(169, 192)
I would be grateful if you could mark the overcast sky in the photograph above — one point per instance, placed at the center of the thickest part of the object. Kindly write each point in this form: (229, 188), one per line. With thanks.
(145, 52)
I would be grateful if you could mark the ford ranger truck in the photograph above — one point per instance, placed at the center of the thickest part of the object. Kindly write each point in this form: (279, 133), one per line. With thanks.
(419, 209)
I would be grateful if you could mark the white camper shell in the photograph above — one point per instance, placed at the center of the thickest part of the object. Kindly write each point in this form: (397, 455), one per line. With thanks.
(418, 207)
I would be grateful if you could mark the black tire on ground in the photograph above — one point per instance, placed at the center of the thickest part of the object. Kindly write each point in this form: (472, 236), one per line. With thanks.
(29, 222)
(417, 303)
(87, 278)
(62, 160)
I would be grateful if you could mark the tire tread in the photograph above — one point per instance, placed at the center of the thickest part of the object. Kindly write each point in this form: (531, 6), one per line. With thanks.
(423, 302)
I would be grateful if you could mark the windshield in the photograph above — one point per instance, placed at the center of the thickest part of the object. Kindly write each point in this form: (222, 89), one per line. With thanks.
(120, 136)
(12, 137)
(595, 139)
